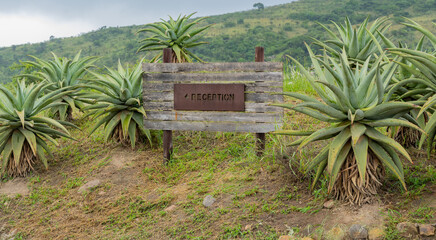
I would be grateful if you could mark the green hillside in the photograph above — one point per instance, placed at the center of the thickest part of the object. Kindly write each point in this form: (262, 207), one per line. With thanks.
(281, 29)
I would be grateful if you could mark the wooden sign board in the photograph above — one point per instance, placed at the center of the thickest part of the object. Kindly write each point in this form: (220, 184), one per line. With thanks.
(209, 97)
(259, 79)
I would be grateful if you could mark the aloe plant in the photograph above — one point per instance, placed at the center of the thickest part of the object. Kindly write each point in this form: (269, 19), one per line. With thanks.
(354, 102)
(179, 35)
(63, 73)
(407, 91)
(359, 44)
(422, 68)
(119, 104)
(24, 131)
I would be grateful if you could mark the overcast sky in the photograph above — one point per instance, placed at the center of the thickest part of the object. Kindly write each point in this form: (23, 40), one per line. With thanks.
(24, 21)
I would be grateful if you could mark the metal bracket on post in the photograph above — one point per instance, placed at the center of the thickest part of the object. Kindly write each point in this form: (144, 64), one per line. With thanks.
(167, 134)
(260, 137)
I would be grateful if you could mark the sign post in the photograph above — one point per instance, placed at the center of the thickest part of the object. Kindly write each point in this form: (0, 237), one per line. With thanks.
(167, 134)
(261, 137)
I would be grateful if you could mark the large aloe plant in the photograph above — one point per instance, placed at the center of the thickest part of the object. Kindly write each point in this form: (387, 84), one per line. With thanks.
(359, 43)
(119, 102)
(179, 35)
(422, 68)
(63, 73)
(407, 91)
(23, 130)
(352, 100)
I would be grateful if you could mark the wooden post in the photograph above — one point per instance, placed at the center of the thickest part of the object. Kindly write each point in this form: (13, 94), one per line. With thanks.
(167, 134)
(260, 137)
(259, 54)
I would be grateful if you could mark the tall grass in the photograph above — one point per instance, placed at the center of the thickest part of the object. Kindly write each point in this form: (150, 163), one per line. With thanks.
(295, 81)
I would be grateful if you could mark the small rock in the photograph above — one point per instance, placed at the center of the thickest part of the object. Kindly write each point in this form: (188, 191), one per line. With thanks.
(248, 227)
(170, 208)
(358, 232)
(8, 236)
(208, 201)
(101, 193)
(376, 234)
(89, 185)
(285, 237)
(329, 204)
(426, 230)
(407, 229)
(335, 233)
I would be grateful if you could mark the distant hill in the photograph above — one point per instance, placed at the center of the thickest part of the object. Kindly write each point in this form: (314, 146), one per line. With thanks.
(281, 29)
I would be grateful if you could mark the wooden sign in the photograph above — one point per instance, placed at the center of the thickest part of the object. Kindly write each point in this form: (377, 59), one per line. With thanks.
(209, 97)
(261, 80)
(196, 97)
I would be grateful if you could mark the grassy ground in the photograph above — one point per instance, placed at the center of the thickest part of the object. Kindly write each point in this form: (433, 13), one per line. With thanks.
(256, 197)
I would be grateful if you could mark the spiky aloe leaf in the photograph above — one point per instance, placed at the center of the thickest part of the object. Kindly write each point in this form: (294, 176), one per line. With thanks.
(378, 137)
(387, 160)
(322, 134)
(336, 147)
(337, 163)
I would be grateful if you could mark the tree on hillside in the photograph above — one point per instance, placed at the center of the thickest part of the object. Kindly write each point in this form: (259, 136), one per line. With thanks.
(259, 6)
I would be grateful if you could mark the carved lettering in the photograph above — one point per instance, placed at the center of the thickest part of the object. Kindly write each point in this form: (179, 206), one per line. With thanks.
(213, 97)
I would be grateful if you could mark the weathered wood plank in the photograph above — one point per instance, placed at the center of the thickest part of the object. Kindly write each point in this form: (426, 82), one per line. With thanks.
(158, 106)
(214, 77)
(213, 67)
(212, 126)
(249, 87)
(214, 116)
(262, 108)
(249, 97)
(262, 97)
(249, 107)
(164, 86)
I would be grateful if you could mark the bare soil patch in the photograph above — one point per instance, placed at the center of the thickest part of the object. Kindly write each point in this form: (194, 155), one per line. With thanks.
(14, 187)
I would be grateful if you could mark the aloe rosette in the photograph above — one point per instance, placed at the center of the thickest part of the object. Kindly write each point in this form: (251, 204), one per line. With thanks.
(422, 68)
(359, 43)
(64, 73)
(118, 101)
(179, 35)
(353, 101)
(407, 91)
(24, 130)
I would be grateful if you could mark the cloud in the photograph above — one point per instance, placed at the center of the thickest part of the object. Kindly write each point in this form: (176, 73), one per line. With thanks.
(33, 21)
(116, 12)
(21, 28)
